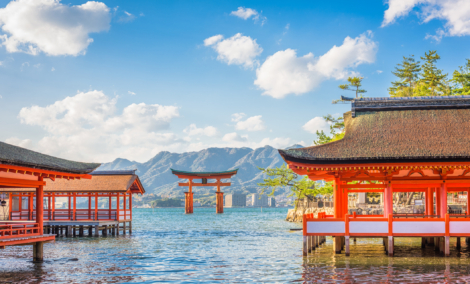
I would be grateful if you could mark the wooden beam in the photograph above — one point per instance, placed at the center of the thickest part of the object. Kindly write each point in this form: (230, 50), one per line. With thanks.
(207, 184)
(381, 185)
(21, 182)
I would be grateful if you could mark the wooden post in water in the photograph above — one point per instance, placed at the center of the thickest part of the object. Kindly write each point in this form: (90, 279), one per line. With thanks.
(97, 230)
(80, 231)
(458, 243)
(346, 245)
(390, 246)
(305, 246)
(423, 242)
(337, 242)
(38, 252)
(130, 227)
(124, 228)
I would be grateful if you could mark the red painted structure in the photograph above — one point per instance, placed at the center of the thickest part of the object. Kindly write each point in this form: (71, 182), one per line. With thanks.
(204, 176)
(393, 145)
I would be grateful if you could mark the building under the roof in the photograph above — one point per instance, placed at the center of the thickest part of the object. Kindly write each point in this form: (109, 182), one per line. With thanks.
(102, 203)
(418, 144)
(21, 168)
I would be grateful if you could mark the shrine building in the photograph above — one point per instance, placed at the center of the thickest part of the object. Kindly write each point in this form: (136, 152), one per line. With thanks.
(416, 144)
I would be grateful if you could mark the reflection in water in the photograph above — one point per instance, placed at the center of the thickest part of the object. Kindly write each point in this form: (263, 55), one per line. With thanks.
(368, 263)
(241, 245)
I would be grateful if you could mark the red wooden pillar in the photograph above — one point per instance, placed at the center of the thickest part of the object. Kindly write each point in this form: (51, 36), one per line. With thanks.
(428, 202)
(219, 199)
(53, 206)
(337, 198)
(30, 201)
(39, 206)
(388, 199)
(345, 203)
(89, 206)
(110, 206)
(74, 216)
(438, 202)
(96, 206)
(130, 204)
(188, 202)
(117, 208)
(443, 199)
(468, 203)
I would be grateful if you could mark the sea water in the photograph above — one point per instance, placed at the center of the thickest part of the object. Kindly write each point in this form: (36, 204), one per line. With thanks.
(241, 245)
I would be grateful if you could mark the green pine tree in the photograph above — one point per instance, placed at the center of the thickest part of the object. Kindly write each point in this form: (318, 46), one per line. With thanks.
(433, 81)
(354, 85)
(461, 80)
(408, 74)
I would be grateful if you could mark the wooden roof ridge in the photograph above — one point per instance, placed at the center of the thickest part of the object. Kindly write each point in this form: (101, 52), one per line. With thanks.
(234, 171)
(411, 103)
(113, 172)
(390, 136)
(17, 156)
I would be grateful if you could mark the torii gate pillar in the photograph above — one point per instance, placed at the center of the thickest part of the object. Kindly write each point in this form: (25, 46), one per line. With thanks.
(219, 202)
(188, 203)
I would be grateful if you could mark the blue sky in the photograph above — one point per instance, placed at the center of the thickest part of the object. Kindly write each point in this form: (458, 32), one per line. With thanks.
(94, 81)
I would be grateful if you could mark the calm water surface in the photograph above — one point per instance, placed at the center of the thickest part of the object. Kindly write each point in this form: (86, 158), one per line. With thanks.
(241, 245)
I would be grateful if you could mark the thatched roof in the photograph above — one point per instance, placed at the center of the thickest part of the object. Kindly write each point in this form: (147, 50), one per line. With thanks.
(111, 182)
(18, 156)
(397, 130)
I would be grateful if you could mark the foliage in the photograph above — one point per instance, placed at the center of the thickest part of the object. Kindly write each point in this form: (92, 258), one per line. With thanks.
(336, 130)
(354, 85)
(284, 177)
(167, 202)
(408, 74)
(461, 80)
(432, 77)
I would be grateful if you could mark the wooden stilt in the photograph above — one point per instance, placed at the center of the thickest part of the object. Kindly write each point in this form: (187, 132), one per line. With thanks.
(130, 226)
(436, 243)
(80, 231)
(446, 246)
(423, 242)
(97, 231)
(431, 241)
(346, 241)
(354, 240)
(105, 231)
(390, 246)
(385, 240)
(68, 232)
(124, 228)
(90, 231)
(113, 230)
(337, 244)
(117, 229)
(441, 245)
(305, 246)
(38, 252)
(458, 243)
(74, 231)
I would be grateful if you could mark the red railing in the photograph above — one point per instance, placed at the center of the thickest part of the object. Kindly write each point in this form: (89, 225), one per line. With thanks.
(18, 230)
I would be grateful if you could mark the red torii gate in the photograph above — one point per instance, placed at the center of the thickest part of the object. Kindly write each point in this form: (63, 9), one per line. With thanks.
(204, 176)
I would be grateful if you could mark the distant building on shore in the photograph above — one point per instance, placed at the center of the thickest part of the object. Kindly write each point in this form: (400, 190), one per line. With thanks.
(235, 200)
(257, 201)
(271, 202)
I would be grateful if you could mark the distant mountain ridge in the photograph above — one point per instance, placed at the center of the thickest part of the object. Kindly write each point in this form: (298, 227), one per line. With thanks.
(157, 178)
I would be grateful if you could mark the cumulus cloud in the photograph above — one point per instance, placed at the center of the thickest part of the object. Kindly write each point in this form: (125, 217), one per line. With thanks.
(254, 123)
(48, 26)
(24, 143)
(246, 13)
(279, 142)
(285, 73)
(238, 116)
(131, 93)
(235, 137)
(238, 49)
(193, 130)
(88, 125)
(456, 14)
(316, 124)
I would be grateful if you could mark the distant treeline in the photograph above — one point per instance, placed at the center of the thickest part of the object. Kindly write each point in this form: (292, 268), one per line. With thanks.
(167, 202)
(416, 79)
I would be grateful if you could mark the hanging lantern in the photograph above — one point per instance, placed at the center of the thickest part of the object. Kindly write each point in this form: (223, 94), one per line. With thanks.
(3, 203)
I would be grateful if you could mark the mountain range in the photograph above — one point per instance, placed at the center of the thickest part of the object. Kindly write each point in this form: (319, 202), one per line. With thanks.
(156, 176)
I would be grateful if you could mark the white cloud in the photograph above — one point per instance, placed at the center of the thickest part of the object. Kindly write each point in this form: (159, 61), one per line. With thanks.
(53, 69)
(24, 143)
(32, 26)
(235, 137)
(245, 13)
(456, 14)
(316, 124)
(86, 126)
(238, 49)
(379, 71)
(131, 93)
(127, 17)
(279, 143)
(37, 65)
(254, 123)
(284, 73)
(192, 130)
(238, 116)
